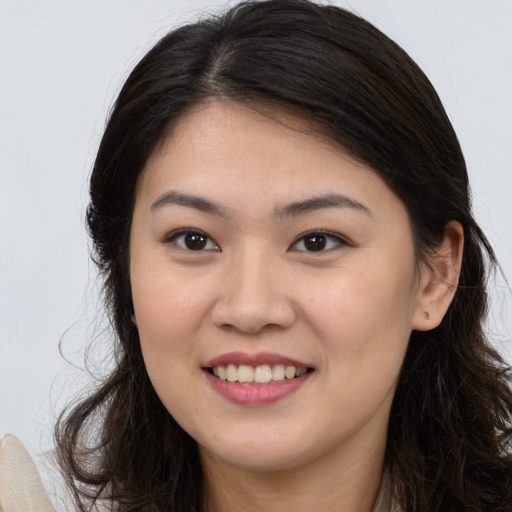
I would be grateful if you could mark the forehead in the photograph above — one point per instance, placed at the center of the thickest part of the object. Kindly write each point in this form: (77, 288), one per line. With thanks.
(221, 142)
(215, 120)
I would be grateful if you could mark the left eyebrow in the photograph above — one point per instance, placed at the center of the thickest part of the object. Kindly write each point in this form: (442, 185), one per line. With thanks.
(320, 202)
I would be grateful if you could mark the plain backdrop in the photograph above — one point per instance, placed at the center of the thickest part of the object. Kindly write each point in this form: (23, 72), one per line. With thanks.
(62, 63)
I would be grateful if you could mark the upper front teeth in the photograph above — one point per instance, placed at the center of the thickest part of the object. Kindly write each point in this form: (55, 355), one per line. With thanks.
(259, 374)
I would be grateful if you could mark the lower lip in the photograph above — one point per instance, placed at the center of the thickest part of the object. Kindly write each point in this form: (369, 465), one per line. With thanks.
(255, 394)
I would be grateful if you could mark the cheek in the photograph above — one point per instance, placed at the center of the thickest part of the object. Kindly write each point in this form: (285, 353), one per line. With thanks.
(365, 329)
(168, 323)
(365, 317)
(168, 313)
(166, 294)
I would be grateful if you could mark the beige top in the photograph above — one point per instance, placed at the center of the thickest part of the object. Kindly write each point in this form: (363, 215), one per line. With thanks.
(22, 490)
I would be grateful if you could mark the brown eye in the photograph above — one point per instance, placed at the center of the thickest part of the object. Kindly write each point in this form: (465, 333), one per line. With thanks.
(195, 241)
(191, 240)
(317, 241)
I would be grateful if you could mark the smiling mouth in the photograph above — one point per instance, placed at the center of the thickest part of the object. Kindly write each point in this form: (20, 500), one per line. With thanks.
(261, 374)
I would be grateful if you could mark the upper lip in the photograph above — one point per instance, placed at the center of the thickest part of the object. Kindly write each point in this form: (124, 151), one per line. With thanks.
(260, 359)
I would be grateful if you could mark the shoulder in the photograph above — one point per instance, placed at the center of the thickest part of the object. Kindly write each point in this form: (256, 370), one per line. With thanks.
(31, 484)
(21, 487)
(54, 483)
(58, 490)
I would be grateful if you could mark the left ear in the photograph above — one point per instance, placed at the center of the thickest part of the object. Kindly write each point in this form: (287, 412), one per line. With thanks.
(439, 279)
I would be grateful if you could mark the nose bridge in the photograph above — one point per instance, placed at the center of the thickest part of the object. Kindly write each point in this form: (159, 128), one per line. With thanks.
(253, 293)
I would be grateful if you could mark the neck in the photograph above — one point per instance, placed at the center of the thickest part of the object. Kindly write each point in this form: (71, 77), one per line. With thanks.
(348, 483)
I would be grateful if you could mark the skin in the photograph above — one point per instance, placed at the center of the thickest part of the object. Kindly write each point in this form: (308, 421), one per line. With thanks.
(347, 311)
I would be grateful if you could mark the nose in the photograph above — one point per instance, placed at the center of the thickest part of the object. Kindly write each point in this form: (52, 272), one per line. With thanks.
(254, 296)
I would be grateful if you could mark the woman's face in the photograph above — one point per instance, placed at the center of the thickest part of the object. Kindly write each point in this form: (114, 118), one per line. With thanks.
(275, 289)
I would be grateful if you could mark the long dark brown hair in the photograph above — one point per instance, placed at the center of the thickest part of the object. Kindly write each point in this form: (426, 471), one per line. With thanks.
(449, 431)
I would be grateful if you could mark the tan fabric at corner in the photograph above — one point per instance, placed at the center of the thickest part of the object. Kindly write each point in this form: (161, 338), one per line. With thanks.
(21, 488)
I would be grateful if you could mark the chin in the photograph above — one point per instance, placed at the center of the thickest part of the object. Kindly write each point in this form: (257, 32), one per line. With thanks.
(264, 450)
(266, 459)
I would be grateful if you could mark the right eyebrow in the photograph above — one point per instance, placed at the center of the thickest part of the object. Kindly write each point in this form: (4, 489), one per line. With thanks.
(320, 202)
(173, 197)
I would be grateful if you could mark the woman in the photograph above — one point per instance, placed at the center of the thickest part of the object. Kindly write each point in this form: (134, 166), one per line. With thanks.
(280, 209)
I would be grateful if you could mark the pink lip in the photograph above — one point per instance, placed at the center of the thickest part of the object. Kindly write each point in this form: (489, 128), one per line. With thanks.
(239, 358)
(255, 394)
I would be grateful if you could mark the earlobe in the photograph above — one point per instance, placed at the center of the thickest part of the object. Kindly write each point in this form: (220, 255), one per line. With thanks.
(439, 279)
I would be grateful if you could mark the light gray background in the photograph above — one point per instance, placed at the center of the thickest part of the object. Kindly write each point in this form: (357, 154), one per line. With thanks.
(61, 64)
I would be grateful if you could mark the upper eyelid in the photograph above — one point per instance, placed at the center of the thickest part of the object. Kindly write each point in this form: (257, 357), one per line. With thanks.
(183, 231)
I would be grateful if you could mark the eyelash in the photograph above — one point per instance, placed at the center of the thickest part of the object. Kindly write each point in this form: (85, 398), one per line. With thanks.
(322, 243)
